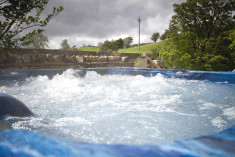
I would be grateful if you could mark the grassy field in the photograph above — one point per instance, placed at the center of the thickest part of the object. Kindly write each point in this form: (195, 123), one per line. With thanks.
(143, 49)
(88, 49)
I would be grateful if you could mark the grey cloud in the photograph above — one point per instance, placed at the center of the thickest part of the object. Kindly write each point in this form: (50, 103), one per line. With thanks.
(104, 18)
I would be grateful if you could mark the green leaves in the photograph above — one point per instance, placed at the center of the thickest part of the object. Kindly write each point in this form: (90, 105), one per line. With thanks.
(35, 40)
(127, 42)
(232, 39)
(111, 46)
(201, 36)
(65, 45)
(20, 15)
(155, 36)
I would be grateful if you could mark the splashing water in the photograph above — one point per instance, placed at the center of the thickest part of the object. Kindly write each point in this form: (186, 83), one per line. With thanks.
(122, 109)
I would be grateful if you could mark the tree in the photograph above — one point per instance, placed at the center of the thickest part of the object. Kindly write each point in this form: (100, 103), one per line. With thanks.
(35, 40)
(99, 44)
(232, 38)
(199, 35)
(155, 36)
(106, 46)
(89, 45)
(118, 44)
(127, 42)
(19, 15)
(165, 35)
(74, 48)
(64, 45)
(115, 45)
(110, 46)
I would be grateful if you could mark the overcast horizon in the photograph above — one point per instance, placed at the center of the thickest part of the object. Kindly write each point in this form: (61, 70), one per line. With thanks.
(94, 21)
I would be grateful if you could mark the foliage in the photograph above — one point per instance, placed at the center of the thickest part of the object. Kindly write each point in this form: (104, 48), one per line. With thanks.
(138, 63)
(232, 38)
(114, 46)
(99, 44)
(118, 44)
(64, 45)
(107, 46)
(74, 48)
(89, 45)
(155, 37)
(155, 51)
(35, 40)
(201, 36)
(111, 46)
(17, 16)
(165, 35)
(127, 42)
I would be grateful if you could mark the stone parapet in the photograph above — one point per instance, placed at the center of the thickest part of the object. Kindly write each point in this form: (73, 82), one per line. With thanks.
(55, 59)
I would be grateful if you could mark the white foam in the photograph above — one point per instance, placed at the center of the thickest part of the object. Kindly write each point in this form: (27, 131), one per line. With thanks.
(207, 106)
(71, 121)
(230, 113)
(218, 122)
(122, 109)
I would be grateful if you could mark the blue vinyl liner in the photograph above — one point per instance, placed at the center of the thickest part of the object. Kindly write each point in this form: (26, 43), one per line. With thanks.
(222, 77)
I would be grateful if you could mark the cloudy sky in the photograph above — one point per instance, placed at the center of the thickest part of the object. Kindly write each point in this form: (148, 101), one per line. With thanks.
(94, 21)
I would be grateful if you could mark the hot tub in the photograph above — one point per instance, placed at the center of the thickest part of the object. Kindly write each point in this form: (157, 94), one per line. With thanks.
(120, 112)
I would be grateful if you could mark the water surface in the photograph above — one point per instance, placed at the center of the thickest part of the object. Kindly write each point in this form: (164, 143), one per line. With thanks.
(125, 109)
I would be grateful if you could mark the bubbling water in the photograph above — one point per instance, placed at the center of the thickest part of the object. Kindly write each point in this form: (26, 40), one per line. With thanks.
(122, 109)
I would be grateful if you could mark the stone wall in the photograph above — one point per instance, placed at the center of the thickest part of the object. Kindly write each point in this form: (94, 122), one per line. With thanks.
(58, 59)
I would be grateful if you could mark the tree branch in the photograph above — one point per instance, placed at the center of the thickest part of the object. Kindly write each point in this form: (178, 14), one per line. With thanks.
(14, 20)
(8, 28)
(3, 2)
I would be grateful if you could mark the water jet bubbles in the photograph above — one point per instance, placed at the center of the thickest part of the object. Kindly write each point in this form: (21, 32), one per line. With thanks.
(229, 113)
(218, 122)
(122, 108)
(92, 75)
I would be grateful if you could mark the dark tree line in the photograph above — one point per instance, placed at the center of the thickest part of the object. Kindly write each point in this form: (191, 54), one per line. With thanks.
(116, 45)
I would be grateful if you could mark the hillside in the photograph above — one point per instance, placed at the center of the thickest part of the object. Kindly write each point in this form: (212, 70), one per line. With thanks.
(143, 49)
(88, 49)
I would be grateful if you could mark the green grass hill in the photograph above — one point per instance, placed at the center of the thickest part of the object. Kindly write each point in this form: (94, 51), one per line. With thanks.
(88, 49)
(143, 49)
